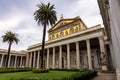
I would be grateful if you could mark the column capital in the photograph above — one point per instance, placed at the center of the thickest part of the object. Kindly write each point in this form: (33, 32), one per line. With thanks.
(101, 38)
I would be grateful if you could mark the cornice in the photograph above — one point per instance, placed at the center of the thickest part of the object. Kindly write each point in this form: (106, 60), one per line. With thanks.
(86, 31)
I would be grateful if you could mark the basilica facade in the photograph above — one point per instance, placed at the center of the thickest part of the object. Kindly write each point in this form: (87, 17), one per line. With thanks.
(71, 45)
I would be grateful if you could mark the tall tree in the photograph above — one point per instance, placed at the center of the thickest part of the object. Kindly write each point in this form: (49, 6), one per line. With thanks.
(9, 37)
(45, 15)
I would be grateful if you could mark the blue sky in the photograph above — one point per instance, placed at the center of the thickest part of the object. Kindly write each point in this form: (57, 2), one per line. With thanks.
(17, 16)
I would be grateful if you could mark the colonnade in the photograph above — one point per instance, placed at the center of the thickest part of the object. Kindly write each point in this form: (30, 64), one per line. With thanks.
(14, 60)
(33, 58)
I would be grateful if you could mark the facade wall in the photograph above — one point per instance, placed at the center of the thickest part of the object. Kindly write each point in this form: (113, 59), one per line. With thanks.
(112, 24)
(75, 53)
(80, 49)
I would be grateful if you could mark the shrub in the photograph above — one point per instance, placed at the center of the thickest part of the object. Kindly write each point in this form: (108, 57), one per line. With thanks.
(83, 75)
(40, 70)
(64, 69)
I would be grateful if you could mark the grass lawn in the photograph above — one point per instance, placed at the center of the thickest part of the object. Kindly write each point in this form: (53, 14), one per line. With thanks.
(50, 75)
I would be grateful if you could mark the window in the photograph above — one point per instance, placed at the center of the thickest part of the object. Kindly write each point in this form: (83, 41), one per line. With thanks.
(53, 36)
(57, 36)
(71, 30)
(76, 29)
(49, 38)
(66, 32)
(61, 34)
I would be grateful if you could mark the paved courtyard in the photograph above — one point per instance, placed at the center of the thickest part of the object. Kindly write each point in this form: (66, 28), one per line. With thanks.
(105, 76)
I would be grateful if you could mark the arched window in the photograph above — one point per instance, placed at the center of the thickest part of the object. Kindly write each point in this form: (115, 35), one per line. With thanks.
(57, 35)
(71, 30)
(76, 29)
(61, 34)
(66, 32)
(53, 37)
(49, 38)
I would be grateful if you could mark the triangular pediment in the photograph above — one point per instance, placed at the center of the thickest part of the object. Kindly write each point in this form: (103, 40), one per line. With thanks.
(61, 23)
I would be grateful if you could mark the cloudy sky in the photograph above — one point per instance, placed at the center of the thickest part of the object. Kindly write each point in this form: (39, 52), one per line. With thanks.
(17, 16)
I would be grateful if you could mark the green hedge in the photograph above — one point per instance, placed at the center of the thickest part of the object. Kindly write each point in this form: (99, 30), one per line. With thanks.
(65, 69)
(83, 75)
(10, 70)
(40, 70)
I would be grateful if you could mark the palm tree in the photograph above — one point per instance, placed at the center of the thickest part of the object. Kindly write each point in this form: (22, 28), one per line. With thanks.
(45, 15)
(9, 37)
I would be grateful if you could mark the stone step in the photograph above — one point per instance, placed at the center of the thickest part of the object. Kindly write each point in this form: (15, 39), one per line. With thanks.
(105, 76)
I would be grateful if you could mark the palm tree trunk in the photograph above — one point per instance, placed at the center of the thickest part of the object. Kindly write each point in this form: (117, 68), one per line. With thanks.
(9, 48)
(43, 45)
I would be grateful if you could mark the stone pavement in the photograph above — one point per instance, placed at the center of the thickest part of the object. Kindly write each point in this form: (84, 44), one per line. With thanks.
(105, 76)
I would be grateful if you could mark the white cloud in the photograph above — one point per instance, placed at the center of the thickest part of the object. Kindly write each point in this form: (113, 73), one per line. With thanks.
(21, 21)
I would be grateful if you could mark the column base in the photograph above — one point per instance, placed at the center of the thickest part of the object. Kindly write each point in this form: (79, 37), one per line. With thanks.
(104, 68)
(118, 74)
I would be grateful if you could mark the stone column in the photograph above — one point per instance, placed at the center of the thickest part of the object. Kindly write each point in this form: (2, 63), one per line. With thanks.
(1, 62)
(9, 61)
(102, 50)
(34, 57)
(101, 42)
(77, 55)
(60, 56)
(48, 58)
(53, 58)
(89, 54)
(30, 59)
(15, 61)
(38, 59)
(27, 60)
(21, 61)
(68, 56)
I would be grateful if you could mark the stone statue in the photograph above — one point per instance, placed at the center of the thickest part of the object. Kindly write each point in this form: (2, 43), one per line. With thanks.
(103, 58)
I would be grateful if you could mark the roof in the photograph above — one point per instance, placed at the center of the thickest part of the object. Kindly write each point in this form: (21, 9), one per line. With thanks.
(63, 22)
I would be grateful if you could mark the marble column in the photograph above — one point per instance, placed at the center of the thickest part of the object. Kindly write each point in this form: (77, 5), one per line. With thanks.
(77, 55)
(15, 61)
(60, 56)
(53, 66)
(34, 57)
(21, 61)
(38, 59)
(30, 59)
(68, 56)
(48, 58)
(1, 62)
(102, 50)
(89, 54)
(101, 43)
(9, 61)
(27, 60)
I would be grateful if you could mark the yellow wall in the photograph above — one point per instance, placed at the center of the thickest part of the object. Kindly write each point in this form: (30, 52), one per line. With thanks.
(64, 32)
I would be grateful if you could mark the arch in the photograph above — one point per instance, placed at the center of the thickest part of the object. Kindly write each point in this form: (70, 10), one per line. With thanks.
(76, 29)
(61, 34)
(71, 30)
(49, 37)
(53, 37)
(66, 32)
(57, 35)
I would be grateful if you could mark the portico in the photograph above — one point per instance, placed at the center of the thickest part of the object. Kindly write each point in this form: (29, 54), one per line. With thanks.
(16, 58)
(77, 49)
